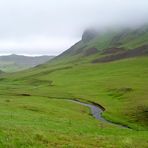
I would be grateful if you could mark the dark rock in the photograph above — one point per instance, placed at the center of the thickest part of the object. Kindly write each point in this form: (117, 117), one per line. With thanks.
(140, 51)
(89, 35)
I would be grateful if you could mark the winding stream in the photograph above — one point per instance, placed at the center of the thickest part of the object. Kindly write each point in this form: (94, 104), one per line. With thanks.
(96, 112)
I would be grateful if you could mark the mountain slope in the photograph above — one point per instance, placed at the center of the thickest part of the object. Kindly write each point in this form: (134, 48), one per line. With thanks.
(135, 40)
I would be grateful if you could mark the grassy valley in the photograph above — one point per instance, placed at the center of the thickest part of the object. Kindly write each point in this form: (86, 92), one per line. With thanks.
(108, 68)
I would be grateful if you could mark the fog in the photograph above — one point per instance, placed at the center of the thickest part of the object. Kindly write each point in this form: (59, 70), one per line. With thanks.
(39, 27)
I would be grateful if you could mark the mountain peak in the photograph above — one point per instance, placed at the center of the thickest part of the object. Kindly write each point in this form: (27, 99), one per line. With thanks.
(89, 34)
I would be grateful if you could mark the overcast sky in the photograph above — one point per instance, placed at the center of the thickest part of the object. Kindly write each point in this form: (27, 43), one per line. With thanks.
(36, 27)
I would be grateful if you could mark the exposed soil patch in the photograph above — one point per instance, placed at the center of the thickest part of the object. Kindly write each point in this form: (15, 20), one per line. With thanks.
(141, 51)
(25, 95)
(141, 114)
(42, 139)
(113, 50)
(123, 89)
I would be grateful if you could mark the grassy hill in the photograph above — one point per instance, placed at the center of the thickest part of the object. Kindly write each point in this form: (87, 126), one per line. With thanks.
(122, 40)
(13, 63)
(108, 68)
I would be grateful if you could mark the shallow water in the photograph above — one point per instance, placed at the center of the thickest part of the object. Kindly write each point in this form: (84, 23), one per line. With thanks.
(96, 112)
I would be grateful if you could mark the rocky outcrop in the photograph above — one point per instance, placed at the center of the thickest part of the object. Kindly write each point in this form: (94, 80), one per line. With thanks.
(89, 35)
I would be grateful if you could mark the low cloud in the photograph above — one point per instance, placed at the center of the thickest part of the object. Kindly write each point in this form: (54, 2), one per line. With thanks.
(52, 26)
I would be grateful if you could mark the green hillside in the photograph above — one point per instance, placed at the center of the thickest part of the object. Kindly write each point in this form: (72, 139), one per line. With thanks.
(107, 68)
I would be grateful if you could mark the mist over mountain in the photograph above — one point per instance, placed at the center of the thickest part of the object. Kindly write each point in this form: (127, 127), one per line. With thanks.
(113, 40)
(51, 26)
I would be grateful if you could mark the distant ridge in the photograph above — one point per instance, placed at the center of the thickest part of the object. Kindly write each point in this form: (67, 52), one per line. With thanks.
(13, 62)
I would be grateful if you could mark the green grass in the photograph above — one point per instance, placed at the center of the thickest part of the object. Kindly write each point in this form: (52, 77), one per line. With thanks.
(41, 121)
(133, 42)
(10, 67)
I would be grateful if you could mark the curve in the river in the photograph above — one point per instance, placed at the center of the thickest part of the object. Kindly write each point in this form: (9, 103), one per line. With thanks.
(96, 112)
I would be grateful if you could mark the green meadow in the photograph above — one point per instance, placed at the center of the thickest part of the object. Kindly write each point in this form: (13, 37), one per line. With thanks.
(35, 106)
(34, 111)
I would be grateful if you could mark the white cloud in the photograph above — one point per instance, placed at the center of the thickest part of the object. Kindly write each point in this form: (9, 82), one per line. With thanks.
(51, 26)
